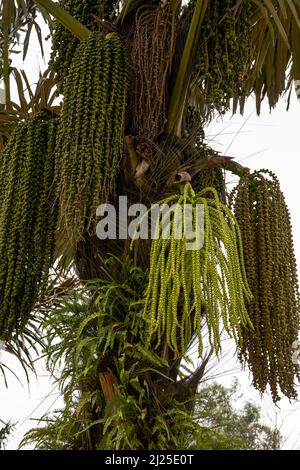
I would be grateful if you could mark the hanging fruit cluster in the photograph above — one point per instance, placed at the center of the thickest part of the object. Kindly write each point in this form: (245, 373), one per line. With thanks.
(64, 43)
(27, 219)
(90, 137)
(151, 58)
(263, 217)
(224, 52)
(214, 278)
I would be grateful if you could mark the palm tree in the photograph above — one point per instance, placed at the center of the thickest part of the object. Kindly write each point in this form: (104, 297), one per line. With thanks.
(139, 82)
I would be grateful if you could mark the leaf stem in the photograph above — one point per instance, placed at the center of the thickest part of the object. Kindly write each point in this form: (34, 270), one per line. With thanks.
(179, 93)
(67, 20)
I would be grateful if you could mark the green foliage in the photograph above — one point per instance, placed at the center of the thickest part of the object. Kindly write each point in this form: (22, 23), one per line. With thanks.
(264, 219)
(28, 219)
(101, 330)
(276, 52)
(226, 426)
(213, 276)
(91, 129)
(20, 16)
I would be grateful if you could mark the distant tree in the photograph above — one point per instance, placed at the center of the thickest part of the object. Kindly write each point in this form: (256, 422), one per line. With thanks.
(224, 426)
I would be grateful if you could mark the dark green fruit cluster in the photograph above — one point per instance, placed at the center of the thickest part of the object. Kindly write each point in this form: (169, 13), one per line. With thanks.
(264, 220)
(90, 138)
(64, 43)
(28, 215)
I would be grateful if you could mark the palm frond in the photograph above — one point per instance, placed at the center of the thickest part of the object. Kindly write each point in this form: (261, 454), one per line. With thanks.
(276, 50)
(20, 17)
(5, 430)
(31, 100)
(61, 15)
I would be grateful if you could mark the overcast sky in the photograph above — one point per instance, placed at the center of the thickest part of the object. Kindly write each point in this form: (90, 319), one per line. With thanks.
(269, 141)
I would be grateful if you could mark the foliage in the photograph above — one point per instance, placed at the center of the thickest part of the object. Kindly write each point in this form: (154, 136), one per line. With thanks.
(271, 268)
(28, 219)
(21, 17)
(216, 411)
(109, 376)
(89, 142)
(16, 17)
(276, 53)
(5, 431)
(30, 102)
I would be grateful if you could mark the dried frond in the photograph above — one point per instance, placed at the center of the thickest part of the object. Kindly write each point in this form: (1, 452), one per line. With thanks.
(152, 50)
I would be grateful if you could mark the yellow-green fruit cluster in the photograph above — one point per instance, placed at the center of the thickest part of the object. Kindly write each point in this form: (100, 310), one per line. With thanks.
(270, 263)
(187, 283)
(91, 130)
(28, 217)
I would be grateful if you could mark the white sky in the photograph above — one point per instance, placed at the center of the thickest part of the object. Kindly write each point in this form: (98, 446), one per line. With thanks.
(269, 141)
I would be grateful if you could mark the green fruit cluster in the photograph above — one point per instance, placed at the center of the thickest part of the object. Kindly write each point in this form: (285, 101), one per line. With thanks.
(262, 214)
(90, 139)
(224, 52)
(189, 283)
(28, 215)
